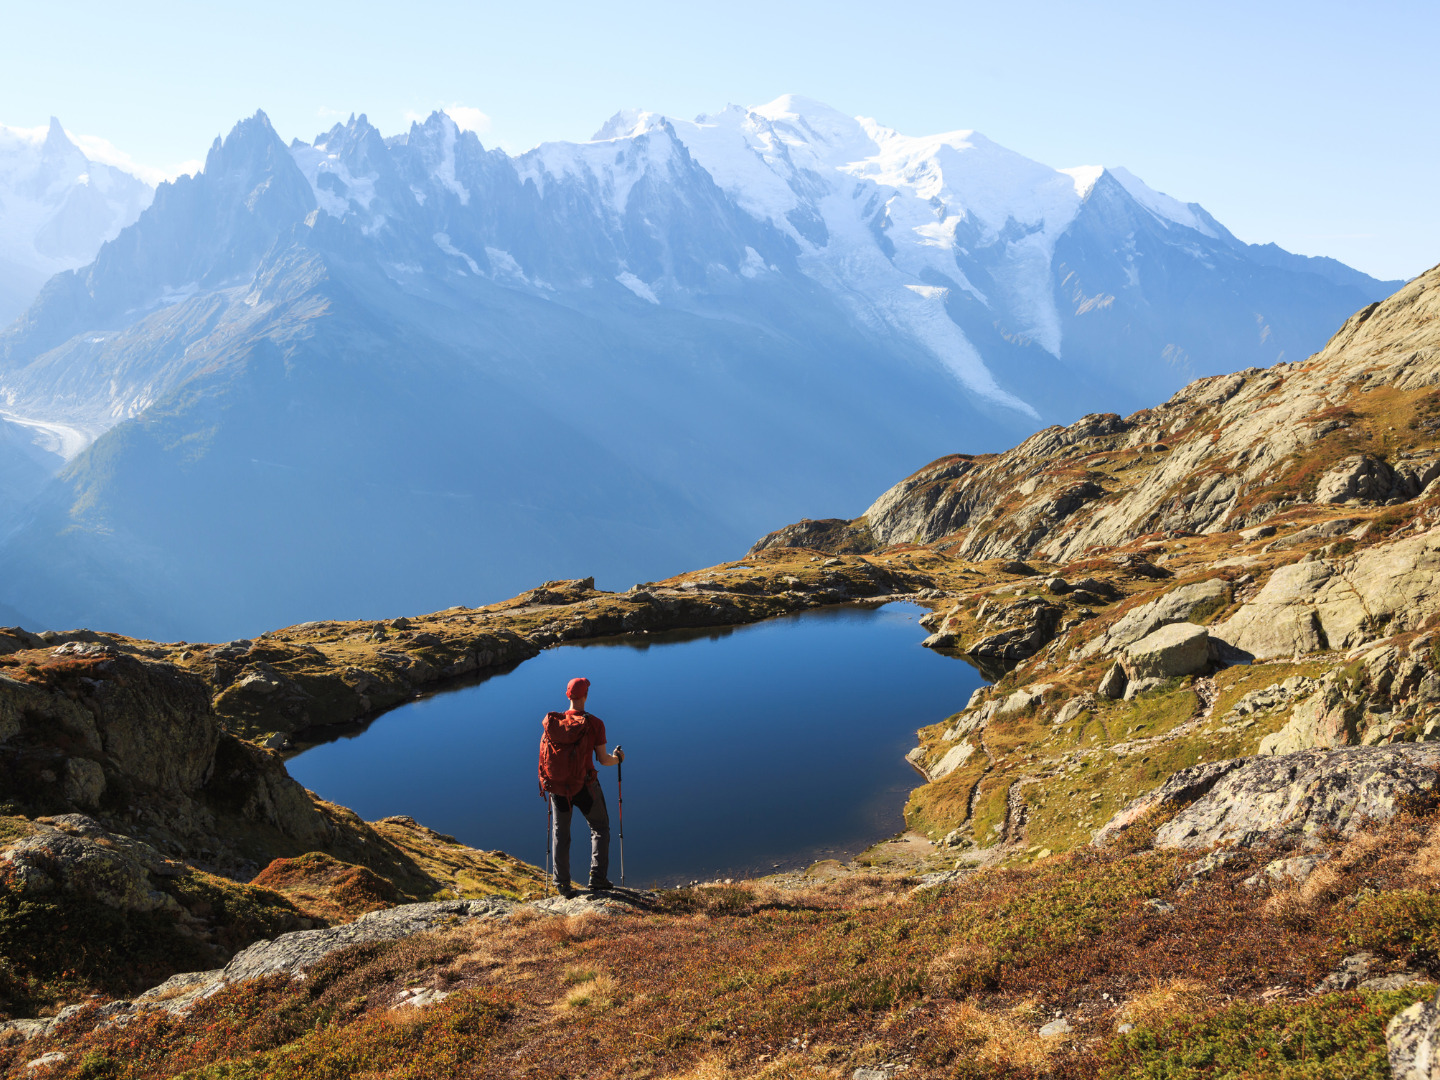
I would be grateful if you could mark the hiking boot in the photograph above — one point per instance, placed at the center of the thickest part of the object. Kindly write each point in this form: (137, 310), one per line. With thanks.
(566, 890)
(603, 885)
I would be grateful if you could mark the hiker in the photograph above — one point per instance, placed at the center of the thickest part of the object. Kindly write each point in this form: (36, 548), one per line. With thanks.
(571, 744)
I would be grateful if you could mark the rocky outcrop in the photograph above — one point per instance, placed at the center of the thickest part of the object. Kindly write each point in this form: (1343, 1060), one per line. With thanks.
(1179, 605)
(74, 853)
(1326, 719)
(294, 952)
(1340, 603)
(1254, 800)
(1014, 631)
(135, 744)
(834, 535)
(1223, 453)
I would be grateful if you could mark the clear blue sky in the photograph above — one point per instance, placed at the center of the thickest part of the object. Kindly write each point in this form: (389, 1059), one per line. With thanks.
(1308, 123)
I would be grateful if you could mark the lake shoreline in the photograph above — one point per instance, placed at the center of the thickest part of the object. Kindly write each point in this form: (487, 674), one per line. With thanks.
(793, 754)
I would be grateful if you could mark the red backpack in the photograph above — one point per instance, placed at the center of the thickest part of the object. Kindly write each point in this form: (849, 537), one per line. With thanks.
(565, 750)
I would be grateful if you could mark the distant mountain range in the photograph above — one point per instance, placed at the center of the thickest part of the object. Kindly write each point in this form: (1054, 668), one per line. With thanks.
(368, 375)
(57, 207)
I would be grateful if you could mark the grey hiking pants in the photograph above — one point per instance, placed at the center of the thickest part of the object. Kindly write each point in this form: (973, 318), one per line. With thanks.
(590, 801)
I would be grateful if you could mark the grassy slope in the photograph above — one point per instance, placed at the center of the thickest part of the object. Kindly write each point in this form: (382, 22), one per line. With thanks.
(756, 981)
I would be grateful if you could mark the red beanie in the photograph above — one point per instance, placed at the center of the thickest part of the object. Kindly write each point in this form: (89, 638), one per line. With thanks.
(577, 688)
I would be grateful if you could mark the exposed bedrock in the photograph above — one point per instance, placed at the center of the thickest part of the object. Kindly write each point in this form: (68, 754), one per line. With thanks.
(1263, 799)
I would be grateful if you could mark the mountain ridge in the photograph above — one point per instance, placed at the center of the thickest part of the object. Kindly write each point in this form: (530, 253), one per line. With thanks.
(455, 305)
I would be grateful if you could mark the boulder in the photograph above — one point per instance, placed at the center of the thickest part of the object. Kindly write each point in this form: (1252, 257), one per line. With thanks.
(1022, 699)
(1357, 477)
(1260, 799)
(1411, 1040)
(1074, 707)
(1112, 685)
(956, 756)
(1259, 532)
(1096, 586)
(1178, 605)
(1173, 650)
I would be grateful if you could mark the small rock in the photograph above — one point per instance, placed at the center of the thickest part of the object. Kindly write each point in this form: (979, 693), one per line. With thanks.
(1015, 566)
(1074, 707)
(54, 1057)
(420, 996)
(1124, 1028)
(1113, 684)
(1055, 1028)
(1295, 870)
(943, 877)
(1160, 907)
(1057, 585)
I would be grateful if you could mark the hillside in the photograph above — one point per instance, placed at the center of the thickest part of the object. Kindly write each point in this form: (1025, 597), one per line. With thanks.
(621, 357)
(1190, 830)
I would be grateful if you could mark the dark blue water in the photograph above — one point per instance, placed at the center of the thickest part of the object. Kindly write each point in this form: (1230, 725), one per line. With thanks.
(773, 744)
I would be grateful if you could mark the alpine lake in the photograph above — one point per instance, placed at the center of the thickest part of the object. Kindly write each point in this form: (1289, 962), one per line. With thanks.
(749, 750)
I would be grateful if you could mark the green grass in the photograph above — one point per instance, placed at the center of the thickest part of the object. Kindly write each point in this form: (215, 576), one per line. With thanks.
(1405, 923)
(1335, 1037)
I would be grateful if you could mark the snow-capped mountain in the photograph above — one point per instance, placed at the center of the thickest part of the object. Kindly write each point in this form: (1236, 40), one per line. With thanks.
(364, 375)
(56, 208)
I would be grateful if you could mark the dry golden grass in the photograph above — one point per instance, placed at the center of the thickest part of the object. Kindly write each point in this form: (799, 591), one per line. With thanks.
(596, 993)
(1165, 1000)
(790, 1067)
(574, 975)
(970, 967)
(1005, 1040)
(571, 928)
(708, 1068)
(1426, 862)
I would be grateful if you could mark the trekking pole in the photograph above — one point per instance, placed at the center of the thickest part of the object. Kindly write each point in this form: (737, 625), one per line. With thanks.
(549, 834)
(620, 788)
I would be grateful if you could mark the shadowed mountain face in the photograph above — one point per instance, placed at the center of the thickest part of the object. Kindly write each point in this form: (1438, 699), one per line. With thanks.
(369, 375)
